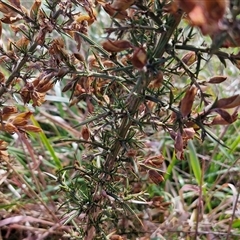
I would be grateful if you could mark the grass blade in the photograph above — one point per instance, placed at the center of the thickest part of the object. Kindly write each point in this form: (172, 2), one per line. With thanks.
(47, 145)
(194, 162)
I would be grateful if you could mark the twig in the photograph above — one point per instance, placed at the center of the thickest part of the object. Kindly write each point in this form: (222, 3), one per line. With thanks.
(209, 51)
(233, 214)
(17, 69)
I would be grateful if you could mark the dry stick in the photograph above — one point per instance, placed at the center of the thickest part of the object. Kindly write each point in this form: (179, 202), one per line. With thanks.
(200, 202)
(32, 191)
(61, 124)
(209, 51)
(24, 141)
(233, 214)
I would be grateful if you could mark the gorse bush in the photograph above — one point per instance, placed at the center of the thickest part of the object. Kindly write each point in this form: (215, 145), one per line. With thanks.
(138, 95)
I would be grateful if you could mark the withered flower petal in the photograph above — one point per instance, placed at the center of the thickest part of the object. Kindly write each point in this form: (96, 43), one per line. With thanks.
(155, 176)
(30, 128)
(229, 102)
(187, 101)
(139, 58)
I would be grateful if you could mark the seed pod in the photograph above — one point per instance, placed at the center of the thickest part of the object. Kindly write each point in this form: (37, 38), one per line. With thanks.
(217, 79)
(68, 86)
(116, 46)
(189, 58)
(79, 57)
(187, 101)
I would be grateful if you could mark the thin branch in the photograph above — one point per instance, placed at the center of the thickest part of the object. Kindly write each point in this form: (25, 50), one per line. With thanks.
(17, 69)
(209, 51)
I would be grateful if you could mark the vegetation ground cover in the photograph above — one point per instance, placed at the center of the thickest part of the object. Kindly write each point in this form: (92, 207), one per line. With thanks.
(119, 120)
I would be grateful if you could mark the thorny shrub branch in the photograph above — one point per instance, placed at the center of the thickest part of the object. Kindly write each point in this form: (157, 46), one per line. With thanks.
(133, 83)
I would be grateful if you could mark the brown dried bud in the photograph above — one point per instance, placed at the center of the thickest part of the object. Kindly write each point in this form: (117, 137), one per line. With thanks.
(106, 98)
(68, 86)
(44, 86)
(9, 128)
(219, 120)
(156, 83)
(186, 5)
(74, 101)
(137, 187)
(19, 121)
(108, 63)
(139, 58)
(154, 161)
(0, 28)
(85, 133)
(7, 111)
(31, 128)
(178, 145)
(188, 133)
